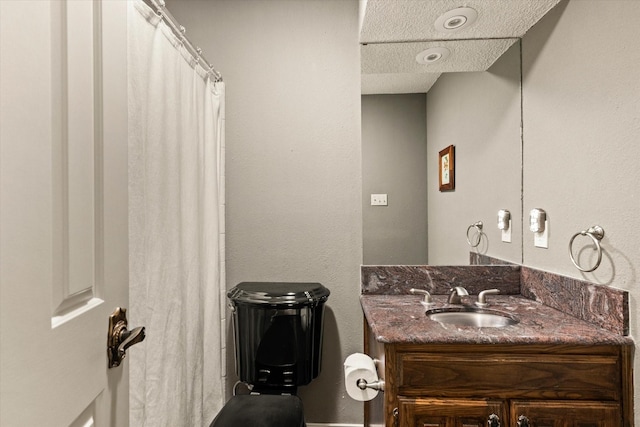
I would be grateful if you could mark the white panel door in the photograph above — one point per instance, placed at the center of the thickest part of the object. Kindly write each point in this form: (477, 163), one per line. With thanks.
(63, 211)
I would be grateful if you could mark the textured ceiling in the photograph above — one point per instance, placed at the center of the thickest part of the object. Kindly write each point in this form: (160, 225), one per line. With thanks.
(393, 32)
(470, 55)
(373, 84)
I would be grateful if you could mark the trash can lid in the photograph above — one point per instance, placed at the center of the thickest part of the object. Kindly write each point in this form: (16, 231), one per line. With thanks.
(279, 293)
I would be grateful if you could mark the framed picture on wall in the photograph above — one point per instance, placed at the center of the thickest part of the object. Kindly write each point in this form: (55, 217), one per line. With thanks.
(447, 169)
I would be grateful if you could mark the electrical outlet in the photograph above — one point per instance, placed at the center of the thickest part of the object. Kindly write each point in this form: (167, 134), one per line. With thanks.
(541, 239)
(506, 234)
(378, 200)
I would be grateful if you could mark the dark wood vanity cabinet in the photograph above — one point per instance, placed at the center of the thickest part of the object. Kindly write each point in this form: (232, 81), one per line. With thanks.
(534, 385)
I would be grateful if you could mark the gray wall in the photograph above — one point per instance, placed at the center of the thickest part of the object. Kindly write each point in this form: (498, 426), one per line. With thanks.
(581, 124)
(394, 162)
(479, 113)
(293, 172)
(581, 121)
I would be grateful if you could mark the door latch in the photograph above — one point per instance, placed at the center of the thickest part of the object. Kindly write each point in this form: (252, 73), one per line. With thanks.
(119, 338)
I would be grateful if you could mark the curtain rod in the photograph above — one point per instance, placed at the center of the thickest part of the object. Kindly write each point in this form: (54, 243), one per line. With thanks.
(180, 31)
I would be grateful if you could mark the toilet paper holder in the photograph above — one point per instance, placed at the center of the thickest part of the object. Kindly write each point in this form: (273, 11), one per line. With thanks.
(362, 381)
(375, 385)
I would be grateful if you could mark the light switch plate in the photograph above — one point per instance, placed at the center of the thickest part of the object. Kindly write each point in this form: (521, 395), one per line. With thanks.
(378, 200)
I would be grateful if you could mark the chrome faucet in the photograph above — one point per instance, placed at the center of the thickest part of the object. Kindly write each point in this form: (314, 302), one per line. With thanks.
(456, 293)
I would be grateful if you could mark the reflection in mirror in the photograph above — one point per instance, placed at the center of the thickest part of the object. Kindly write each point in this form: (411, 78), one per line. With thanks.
(480, 114)
(394, 162)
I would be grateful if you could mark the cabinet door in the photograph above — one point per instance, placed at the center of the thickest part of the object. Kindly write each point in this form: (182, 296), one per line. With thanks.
(550, 413)
(423, 412)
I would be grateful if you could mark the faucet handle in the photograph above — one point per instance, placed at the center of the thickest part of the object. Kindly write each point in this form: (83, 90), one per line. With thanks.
(482, 302)
(456, 293)
(427, 296)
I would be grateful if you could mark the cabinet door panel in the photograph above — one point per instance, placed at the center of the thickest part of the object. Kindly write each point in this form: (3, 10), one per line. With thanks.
(420, 412)
(567, 413)
(526, 376)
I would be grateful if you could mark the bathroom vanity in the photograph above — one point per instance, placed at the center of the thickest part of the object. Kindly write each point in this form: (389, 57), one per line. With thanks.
(549, 369)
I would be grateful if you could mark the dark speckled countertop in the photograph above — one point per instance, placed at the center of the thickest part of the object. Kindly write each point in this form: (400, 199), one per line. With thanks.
(401, 319)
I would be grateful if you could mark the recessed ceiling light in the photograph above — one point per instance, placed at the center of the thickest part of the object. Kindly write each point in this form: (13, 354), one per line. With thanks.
(454, 22)
(456, 19)
(431, 55)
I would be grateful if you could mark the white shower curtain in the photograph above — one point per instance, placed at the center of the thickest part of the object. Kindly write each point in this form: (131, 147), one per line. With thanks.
(176, 135)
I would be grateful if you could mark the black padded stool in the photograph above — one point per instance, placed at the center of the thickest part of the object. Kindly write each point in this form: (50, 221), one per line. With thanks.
(265, 410)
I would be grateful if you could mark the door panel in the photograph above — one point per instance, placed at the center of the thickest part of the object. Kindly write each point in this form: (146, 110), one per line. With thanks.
(87, 418)
(75, 43)
(63, 210)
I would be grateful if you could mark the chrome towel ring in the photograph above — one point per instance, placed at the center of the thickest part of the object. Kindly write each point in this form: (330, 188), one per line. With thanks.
(478, 235)
(596, 233)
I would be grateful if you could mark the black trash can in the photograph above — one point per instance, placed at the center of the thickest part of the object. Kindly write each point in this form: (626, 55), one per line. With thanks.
(278, 328)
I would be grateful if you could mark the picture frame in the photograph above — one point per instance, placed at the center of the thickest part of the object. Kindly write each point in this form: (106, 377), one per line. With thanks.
(446, 169)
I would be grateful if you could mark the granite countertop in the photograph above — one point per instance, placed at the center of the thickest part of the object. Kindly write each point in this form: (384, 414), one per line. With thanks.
(401, 319)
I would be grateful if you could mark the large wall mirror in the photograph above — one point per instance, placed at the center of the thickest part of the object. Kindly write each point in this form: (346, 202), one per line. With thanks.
(479, 113)
(435, 75)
